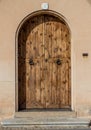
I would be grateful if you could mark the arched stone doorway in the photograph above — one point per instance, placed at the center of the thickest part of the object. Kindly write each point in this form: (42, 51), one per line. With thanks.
(44, 62)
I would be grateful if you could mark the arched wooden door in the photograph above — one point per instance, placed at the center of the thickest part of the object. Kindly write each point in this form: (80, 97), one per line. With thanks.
(44, 64)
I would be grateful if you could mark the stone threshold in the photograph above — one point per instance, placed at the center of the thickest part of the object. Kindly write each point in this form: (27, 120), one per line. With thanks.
(45, 123)
(45, 114)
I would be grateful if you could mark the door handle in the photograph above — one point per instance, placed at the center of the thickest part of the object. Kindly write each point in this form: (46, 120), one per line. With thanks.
(31, 62)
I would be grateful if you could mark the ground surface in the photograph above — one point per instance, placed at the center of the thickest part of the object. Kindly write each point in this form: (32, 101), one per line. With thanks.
(38, 129)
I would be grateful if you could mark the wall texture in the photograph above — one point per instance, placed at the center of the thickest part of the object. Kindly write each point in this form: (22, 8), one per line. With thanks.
(78, 16)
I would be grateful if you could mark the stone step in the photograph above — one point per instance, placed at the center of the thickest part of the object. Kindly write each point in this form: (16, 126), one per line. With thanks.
(44, 123)
(47, 114)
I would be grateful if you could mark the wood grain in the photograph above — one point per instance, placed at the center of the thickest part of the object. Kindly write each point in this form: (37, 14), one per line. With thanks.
(44, 39)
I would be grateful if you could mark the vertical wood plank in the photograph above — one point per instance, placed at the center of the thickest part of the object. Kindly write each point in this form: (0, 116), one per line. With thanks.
(67, 85)
(43, 96)
(48, 44)
(39, 53)
(58, 87)
(63, 68)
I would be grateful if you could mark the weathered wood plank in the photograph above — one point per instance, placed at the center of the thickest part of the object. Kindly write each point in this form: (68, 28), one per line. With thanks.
(44, 39)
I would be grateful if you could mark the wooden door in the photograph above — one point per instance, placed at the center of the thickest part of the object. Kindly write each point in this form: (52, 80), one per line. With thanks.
(44, 64)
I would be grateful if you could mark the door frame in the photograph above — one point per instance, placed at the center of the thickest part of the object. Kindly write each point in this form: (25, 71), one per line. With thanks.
(62, 18)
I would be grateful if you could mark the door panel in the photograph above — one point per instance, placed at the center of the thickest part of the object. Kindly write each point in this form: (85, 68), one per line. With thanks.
(44, 64)
(36, 54)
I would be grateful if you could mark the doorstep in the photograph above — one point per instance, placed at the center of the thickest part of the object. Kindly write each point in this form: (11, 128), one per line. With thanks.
(45, 124)
(45, 114)
(42, 121)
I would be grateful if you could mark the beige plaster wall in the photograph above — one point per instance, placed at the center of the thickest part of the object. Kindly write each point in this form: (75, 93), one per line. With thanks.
(78, 15)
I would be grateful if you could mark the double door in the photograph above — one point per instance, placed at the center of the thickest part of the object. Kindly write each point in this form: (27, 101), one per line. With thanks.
(44, 64)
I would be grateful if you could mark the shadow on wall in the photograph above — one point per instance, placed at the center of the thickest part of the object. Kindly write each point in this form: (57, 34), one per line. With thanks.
(89, 1)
